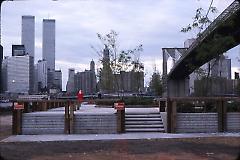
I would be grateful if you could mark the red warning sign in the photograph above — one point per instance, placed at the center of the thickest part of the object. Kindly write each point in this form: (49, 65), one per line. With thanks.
(119, 106)
(18, 106)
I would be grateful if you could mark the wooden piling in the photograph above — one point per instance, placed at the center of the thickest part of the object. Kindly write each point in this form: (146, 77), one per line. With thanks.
(222, 115)
(71, 118)
(16, 121)
(66, 119)
(171, 116)
(120, 121)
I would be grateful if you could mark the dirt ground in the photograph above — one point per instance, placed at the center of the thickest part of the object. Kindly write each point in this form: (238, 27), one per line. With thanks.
(217, 148)
(5, 125)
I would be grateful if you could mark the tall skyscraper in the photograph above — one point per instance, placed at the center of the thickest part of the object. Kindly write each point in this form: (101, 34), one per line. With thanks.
(28, 40)
(49, 43)
(49, 49)
(28, 34)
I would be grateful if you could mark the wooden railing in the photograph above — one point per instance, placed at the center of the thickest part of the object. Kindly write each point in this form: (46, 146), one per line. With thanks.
(43, 105)
(169, 105)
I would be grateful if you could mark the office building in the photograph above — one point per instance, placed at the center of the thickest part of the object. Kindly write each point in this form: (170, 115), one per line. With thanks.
(58, 80)
(129, 81)
(221, 67)
(48, 49)
(49, 43)
(18, 50)
(28, 40)
(28, 34)
(17, 74)
(70, 83)
(86, 81)
(41, 76)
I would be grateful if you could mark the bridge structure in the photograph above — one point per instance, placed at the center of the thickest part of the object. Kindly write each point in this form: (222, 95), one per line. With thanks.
(220, 36)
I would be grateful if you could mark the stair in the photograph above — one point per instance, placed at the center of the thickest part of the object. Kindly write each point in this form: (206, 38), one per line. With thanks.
(143, 122)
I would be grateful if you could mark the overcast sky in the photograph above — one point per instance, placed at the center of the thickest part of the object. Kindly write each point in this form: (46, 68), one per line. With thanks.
(153, 23)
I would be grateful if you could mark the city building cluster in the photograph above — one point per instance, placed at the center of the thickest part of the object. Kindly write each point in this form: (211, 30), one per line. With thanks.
(20, 74)
(108, 82)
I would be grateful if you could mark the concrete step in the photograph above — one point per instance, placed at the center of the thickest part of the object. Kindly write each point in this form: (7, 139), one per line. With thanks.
(145, 130)
(143, 119)
(143, 122)
(143, 116)
(137, 113)
(144, 126)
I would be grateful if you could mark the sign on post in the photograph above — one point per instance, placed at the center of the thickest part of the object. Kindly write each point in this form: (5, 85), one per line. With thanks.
(119, 106)
(18, 106)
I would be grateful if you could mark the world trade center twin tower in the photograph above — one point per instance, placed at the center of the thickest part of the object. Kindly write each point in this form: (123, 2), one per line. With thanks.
(48, 51)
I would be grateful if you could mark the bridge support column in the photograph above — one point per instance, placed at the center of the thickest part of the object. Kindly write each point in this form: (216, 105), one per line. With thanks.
(178, 88)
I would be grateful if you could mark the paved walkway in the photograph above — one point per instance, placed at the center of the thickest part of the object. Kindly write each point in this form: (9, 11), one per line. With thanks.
(127, 136)
(92, 109)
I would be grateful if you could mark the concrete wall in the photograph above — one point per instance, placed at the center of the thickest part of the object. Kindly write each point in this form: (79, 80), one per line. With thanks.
(196, 122)
(164, 119)
(233, 122)
(43, 123)
(95, 123)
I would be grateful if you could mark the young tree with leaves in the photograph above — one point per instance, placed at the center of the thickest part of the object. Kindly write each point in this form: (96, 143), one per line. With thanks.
(117, 61)
(155, 84)
(202, 20)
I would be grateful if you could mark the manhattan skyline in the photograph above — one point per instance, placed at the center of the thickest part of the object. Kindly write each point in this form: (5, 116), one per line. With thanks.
(153, 24)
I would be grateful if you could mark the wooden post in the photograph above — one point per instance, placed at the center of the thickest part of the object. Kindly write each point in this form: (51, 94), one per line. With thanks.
(16, 121)
(71, 118)
(44, 106)
(222, 115)
(162, 106)
(66, 119)
(26, 107)
(34, 106)
(169, 116)
(219, 112)
(121, 121)
(174, 117)
(48, 105)
(55, 104)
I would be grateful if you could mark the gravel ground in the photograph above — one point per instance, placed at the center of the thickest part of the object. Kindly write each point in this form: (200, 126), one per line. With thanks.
(5, 126)
(169, 149)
